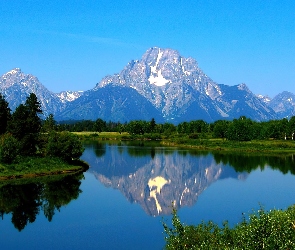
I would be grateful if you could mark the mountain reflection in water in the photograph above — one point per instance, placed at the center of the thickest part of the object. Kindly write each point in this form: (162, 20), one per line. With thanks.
(24, 199)
(157, 177)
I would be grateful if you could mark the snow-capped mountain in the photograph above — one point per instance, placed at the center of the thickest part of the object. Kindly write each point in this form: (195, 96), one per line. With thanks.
(181, 91)
(161, 85)
(16, 87)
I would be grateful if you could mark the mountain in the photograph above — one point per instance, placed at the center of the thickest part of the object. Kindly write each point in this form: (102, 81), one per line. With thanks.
(283, 104)
(181, 91)
(113, 103)
(161, 85)
(16, 87)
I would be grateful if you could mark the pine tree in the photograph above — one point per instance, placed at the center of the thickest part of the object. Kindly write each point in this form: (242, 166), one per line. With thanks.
(33, 107)
(25, 124)
(5, 115)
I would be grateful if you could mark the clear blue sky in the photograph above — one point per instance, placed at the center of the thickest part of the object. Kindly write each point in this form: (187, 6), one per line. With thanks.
(72, 45)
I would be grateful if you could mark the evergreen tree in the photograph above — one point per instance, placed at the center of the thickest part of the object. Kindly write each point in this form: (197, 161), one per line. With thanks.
(33, 107)
(99, 125)
(25, 124)
(4, 114)
(152, 125)
(49, 124)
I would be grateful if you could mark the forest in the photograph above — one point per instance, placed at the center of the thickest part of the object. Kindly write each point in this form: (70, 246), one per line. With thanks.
(241, 129)
(22, 138)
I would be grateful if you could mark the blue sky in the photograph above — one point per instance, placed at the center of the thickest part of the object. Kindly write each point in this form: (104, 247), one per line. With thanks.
(72, 45)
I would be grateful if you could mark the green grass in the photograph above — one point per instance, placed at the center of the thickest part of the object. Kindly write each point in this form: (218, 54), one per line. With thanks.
(255, 146)
(28, 167)
(103, 135)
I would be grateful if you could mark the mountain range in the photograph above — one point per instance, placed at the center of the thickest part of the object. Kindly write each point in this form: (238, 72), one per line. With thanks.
(161, 85)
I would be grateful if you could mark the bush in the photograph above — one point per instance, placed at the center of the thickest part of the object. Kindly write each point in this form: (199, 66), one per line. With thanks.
(263, 230)
(64, 145)
(9, 148)
(193, 136)
(153, 137)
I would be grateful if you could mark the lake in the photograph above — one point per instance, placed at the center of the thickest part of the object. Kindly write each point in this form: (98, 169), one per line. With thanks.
(129, 189)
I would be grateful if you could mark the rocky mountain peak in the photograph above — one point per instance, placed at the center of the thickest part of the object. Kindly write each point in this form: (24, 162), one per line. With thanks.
(16, 87)
(14, 71)
(162, 84)
(283, 104)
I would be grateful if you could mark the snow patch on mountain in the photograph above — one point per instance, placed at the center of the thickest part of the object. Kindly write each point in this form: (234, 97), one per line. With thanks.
(158, 80)
(69, 96)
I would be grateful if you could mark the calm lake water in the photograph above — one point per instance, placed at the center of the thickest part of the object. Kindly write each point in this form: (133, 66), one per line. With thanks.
(120, 201)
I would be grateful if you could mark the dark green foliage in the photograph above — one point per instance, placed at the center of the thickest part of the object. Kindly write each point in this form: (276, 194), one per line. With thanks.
(138, 127)
(152, 125)
(33, 107)
(194, 136)
(25, 125)
(18, 125)
(9, 148)
(49, 124)
(5, 115)
(240, 130)
(263, 230)
(64, 145)
(100, 125)
(220, 128)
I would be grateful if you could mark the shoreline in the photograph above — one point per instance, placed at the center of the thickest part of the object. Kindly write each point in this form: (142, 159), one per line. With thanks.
(75, 168)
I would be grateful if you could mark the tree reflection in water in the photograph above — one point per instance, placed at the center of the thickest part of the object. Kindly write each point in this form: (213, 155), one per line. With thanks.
(25, 200)
(250, 162)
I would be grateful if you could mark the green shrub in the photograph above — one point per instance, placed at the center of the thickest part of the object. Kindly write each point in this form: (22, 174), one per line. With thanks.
(153, 137)
(9, 148)
(194, 136)
(263, 230)
(64, 145)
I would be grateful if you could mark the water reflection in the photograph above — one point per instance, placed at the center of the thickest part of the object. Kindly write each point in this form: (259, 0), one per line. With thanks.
(25, 199)
(248, 163)
(155, 177)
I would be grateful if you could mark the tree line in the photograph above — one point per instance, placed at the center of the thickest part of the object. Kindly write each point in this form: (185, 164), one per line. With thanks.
(241, 129)
(22, 134)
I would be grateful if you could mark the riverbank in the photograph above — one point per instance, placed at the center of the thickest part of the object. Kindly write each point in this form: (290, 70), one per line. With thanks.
(211, 144)
(32, 167)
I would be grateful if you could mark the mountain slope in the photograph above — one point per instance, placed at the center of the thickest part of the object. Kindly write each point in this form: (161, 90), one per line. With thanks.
(113, 103)
(16, 87)
(283, 104)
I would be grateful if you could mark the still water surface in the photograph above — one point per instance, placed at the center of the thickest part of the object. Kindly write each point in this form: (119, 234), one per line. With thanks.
(120, 201)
